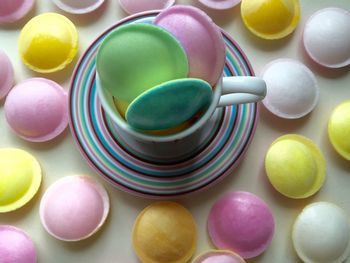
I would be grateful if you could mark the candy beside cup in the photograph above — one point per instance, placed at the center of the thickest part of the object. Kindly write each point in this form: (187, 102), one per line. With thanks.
(13, 10)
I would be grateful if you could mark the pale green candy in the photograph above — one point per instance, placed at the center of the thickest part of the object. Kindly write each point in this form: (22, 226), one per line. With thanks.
(136, 57)
(169, 104)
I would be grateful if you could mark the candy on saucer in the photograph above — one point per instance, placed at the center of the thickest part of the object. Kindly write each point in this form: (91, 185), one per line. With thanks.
(14, 10)
(200, 37)
(133, 7)
(295, 166)
(326, 37)
(78, 7)
(20, 178)
(74, 208)
(164, 232)
(339, 129)
(37, 109)
(6, 74)
(321, 233)
(270, 19)
(286, 97)
(220, 4)
(48, 43)
(16, 246)
(241, 222)
(219, 256)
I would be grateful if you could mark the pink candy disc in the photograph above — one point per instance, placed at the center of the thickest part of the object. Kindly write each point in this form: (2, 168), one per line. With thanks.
(74, 208)
(13, 10)
(16, 246)
(6, 74)
(220, 4)
(78, 7)
(37, 109)
(133, 7)
(241, 222)
(200, 37)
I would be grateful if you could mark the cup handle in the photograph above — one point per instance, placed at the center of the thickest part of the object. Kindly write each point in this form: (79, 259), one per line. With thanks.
(241, 89)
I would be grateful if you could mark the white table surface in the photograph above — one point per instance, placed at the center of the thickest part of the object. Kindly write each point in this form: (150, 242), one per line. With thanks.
(113, 243)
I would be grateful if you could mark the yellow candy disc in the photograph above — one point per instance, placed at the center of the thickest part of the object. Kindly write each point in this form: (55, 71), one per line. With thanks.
(270, 19)
(48, 43)
(164, 232)
(20, 178)
(295, 166)
(339, 129)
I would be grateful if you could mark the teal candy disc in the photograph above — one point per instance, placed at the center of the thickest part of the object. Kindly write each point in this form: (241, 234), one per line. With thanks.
(169, 104)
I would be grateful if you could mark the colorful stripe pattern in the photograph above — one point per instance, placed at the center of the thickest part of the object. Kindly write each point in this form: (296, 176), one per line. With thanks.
(116, 161)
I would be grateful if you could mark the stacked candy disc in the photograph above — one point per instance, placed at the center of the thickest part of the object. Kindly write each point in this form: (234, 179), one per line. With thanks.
(161, 75)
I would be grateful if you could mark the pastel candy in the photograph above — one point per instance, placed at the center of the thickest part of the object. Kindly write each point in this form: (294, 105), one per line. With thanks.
(321, 233)
(14, 10)
(326, 37)
(295, 166)
(219, 256)
(37, 109)
(270, 19)
(133, 7)
(6, 74)
(78, 7)
(286, 97)
(241, 222)
(48, 43)
(339, 129)
(16, 246)
(200, 37)
(220, 4)
(20, 178)
(74, 208)
(164, 232)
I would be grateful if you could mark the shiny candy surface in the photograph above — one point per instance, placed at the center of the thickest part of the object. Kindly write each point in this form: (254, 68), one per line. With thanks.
(14, 10)
(270, 19)
(295, 166)
(220, 4)
(219, 256)
(321, 233)
(339, 129)
(164, 232)
(241, 222)
(36, 109)
(133, 7)
(20, 178)
(48, 43)
(326, 37)
(74, 208)
(78, 7)
(6, 74)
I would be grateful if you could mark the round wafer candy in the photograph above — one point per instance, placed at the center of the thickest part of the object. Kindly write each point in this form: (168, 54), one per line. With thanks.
(285, 97)
(78, 7)
(6, 74)
(200, 37)
(220, 4)
(164, 232)
(16, 246)
(339, 129)
(20, 178)
(48, 43)
(270, 19)
(295, 166)
(219, 256)
(133, 7)
(241, 222)
(326, 37)
(14, 10)
(74, 208)
(37, 109)
(321, 233)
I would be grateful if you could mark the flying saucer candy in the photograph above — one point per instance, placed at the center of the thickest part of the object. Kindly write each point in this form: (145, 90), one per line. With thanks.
(13, 10)
(286, 97)
(37, 109)
(20, 178)
(48, 43)
(326, 37)
(133, 7)
(78, 7)
(6, 74)
(295, 166)
(74, 208)
(321, 233)
(270, 19)
(220, 4)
